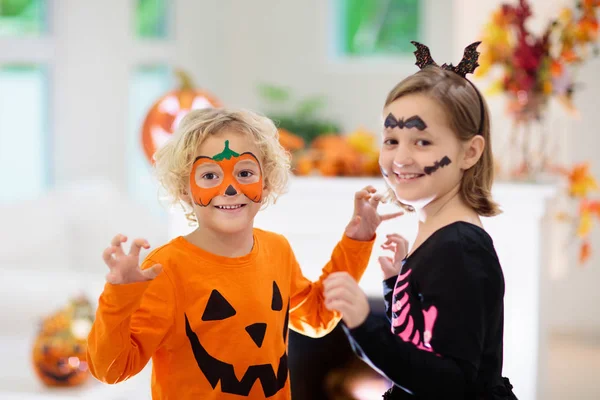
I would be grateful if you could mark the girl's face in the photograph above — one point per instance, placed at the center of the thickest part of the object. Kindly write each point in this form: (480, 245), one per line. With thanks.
(421, 158)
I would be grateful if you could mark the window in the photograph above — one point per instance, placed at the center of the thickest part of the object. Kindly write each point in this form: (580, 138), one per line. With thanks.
(22, 17)
(147, 85)
(151, 19)
(24, 147)
(376, 27)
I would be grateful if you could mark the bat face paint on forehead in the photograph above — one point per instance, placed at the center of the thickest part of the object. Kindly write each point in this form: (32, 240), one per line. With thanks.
(227, 169)
(437, 165)
(413, 122)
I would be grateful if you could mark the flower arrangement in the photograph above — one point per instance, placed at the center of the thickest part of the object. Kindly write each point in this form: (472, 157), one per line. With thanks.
(580, 185)
(530, 69)
(534, 68)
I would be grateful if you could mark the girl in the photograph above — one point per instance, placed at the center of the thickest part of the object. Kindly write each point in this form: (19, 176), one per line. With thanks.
(444, 297)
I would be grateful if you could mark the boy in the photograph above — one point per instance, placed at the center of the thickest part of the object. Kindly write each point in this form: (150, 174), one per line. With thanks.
(212, 308)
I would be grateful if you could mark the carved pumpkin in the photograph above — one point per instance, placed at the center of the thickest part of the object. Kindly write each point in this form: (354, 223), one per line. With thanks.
(59, 351)
(60, 360)
(225, 312)
(167, 112)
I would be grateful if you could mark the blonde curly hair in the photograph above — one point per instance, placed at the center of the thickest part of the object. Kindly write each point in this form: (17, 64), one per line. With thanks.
(173, 162)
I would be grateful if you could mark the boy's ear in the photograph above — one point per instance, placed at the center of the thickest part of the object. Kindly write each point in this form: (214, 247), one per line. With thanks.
(185, 197)
(265, 192)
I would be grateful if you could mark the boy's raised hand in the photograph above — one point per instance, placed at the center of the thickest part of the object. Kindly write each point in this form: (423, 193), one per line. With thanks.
(125, 268)
(366, 219)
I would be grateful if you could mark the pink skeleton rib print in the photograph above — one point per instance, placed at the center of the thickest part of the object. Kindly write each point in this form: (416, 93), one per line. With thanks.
(416, 329)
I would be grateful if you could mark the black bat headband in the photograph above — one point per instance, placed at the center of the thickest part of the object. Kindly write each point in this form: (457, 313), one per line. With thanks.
(467, 65)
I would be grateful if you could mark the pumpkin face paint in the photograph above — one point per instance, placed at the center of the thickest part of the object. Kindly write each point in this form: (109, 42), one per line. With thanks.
(226, 174)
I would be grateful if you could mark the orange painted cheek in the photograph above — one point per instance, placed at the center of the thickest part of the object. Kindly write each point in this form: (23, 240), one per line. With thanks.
(253, 191)
(200, 195)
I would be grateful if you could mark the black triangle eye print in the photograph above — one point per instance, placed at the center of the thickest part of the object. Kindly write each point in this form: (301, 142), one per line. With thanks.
(277, 301)
(218, 308)
(286, 323)
(257, 333)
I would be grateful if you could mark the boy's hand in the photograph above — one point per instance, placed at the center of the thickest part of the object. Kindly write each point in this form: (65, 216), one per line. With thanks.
(365, 220)
(124, 268)
(343, 294)
(392, 266)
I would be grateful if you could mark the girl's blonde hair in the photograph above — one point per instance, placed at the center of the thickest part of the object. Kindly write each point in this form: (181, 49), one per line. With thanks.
(173, 162)
(462, 104)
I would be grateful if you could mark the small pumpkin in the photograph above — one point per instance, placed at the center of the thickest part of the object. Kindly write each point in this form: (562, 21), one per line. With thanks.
(337, 157)
(60, 360)
(167, 112)
(304, 164)
(289, 141)
(59, 351)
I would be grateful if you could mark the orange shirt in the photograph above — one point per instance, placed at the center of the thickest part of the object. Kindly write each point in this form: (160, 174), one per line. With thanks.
(215, 327)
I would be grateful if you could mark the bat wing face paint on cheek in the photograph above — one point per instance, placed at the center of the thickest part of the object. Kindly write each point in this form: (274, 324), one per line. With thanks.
(219, 175)
(385, 174)
(437, 165)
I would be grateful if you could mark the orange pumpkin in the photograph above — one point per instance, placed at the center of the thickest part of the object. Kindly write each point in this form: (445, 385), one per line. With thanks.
(304, 164)
(289, 141)
(59, 351)
(60, 360)
(165, 114)
(337, 157)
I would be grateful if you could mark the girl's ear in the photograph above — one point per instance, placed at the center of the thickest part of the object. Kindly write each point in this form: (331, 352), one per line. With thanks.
(473, 149)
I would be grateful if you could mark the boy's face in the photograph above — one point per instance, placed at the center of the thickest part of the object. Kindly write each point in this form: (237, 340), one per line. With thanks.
(226, 185)
(421, 157)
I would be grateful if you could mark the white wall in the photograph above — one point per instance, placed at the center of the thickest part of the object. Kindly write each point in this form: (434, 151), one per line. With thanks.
(287, 43)
(94, 59)
(575, 295)
(230, 46)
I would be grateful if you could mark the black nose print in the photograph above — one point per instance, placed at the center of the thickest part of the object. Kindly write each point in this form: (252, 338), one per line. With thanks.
(257, 333)
(230, 191)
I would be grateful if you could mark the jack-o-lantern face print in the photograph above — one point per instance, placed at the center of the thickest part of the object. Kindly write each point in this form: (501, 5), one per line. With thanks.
(251, 337)
(226, 174)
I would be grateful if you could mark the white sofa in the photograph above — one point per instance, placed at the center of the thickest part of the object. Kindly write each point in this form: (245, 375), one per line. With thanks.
(51, 250)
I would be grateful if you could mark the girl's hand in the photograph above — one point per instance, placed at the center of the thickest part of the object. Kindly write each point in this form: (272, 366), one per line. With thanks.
(392, 266)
